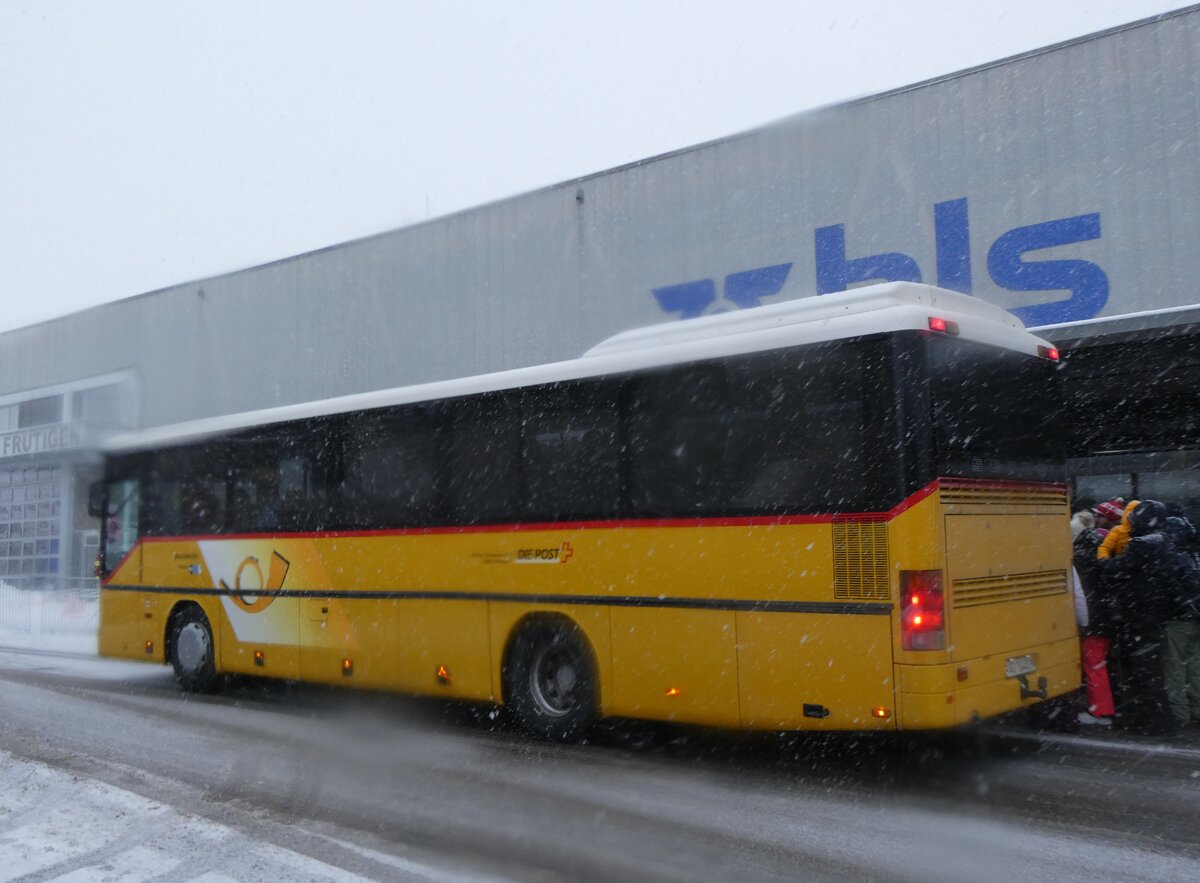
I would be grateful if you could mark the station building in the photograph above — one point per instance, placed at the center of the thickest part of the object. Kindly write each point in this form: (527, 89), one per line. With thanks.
(1061, 184)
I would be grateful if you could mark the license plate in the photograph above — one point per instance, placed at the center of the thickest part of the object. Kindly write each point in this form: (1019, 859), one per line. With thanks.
(1016, 666)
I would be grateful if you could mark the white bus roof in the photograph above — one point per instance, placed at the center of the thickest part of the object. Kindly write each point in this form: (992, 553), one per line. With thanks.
(873, 309)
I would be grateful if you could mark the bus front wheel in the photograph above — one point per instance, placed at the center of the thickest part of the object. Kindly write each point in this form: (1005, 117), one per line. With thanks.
(550, 680)
(192, 654)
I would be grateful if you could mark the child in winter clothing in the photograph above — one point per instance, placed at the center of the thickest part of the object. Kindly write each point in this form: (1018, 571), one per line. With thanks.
(1118, 538)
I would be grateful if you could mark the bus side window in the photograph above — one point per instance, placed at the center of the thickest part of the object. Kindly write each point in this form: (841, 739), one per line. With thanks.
(483, 478)
(256, 499)
(281, 477)
(160, 507)
(391, 475)
(202, 506)
(571, 466)
(796, 431)
(679, 436)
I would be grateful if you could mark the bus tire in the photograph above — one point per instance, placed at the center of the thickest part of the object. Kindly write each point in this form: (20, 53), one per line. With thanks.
(192, 652)
(550, 680)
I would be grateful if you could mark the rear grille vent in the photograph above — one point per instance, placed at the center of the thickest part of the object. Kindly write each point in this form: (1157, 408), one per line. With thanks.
(860, 560)
(967, 494)
(981, 590)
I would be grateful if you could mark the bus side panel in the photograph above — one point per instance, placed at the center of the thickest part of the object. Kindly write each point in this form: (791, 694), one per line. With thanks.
(678, 665)
(251, 622)
(128, 619)
(593, 620)
(124, 627)
(838, 665)
(435, 647)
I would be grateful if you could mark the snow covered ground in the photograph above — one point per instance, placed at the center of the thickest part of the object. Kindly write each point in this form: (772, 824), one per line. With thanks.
(67, 827)
(61, 825)
(64, 827)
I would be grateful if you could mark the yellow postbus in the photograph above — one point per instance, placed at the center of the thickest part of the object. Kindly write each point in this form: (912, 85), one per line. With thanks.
(839, 513)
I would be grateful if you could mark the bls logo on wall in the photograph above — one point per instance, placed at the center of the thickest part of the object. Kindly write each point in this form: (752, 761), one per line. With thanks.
(1085, 283)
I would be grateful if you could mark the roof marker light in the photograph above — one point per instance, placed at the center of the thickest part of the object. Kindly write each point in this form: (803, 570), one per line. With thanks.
(945, 326)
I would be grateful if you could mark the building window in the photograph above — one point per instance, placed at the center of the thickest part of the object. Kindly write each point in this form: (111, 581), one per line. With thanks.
(39, 412)
(29, 544)
(106, 405)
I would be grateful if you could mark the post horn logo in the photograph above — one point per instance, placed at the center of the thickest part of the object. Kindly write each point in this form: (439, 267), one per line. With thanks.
(250, 597)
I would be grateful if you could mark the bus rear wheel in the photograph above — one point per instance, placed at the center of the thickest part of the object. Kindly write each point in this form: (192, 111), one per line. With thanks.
(551, 681)
(192, 654)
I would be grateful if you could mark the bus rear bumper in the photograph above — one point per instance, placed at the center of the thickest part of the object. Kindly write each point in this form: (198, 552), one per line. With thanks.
(964, 692)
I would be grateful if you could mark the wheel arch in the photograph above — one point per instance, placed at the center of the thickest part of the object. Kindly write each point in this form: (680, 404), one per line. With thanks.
(177, 610)
(547, 619)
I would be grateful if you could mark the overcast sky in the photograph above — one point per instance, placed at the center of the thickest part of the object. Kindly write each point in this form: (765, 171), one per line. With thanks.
(144, 144)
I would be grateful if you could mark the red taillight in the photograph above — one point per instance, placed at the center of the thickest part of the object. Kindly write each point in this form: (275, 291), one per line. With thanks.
(937, 323)
(1048, 352)
(923, 612)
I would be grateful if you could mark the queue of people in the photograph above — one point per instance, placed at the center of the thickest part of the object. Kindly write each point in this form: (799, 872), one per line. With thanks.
(1137, 578)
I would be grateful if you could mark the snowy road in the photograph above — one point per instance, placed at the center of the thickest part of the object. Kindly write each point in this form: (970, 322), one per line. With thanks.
(108, 772)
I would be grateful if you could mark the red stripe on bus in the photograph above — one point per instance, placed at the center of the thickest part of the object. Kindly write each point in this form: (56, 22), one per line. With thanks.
(615, 524)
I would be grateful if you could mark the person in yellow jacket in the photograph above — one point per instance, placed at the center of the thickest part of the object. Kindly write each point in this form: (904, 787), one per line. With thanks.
(1118, 538)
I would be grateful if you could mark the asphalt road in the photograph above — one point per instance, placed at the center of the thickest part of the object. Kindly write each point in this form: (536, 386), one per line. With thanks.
(388, 787)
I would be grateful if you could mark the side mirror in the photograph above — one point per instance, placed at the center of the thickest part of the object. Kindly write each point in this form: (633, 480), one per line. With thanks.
(96, 499)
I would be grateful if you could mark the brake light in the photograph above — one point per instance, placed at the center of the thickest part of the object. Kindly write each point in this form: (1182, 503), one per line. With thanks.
(923, 610)
(937, 323)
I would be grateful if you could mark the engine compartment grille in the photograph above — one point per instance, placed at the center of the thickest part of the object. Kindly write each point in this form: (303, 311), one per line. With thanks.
(978, 591)
(965, 493)
(860, 560)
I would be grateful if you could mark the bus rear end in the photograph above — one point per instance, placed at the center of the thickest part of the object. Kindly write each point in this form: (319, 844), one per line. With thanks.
(986, 620)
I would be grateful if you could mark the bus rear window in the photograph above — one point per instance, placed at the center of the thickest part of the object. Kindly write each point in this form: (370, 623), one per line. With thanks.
(995, 413)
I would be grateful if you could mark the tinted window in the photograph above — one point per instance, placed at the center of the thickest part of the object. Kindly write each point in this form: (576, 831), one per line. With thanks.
(184, 491)
(484, 475)
(390, 474)
(281, 477)
(571, 466)
(798, 430)
(995, 412)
